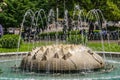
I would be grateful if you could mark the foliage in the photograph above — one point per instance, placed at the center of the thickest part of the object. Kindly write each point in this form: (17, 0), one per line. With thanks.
(114, 10)
(9, 41)
(26, 46)
(59, 33)
(96, 31)
(113, 28)
(1, 71)
(73, 32)
(13, 11)
(76, 39)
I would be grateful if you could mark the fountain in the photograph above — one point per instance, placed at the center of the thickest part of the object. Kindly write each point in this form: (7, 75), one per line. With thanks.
(62, 58)
(61, 61)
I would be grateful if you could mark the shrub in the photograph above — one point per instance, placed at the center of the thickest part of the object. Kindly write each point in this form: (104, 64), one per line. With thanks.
(113, 28)
(74, 32)
(51, 33)
(96, 31)
(76, 39)
(9, 41)
(1, 71)
(0, 46)
(60, 33)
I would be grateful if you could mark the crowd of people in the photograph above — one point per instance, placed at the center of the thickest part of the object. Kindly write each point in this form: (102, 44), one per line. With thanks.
(92, 34)
(111, 35)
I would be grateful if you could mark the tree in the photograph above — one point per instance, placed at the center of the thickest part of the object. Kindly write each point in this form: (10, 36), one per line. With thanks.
(113, 10)
(12, 14)
(13, 11)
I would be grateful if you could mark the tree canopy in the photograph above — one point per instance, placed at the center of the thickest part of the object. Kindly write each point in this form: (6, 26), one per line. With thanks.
(13, 11)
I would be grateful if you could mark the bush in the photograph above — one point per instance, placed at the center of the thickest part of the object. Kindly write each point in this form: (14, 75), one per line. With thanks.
(9, 41)
(76, 32)
(76, 39)
(1, 71)
(0, 46)
(60, 33)
(113, 28)
(51, 33)
(96, 31)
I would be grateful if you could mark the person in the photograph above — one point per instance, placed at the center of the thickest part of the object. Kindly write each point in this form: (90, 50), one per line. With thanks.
(70, 25)
(1, 30)
(64, 30)
(91, 28)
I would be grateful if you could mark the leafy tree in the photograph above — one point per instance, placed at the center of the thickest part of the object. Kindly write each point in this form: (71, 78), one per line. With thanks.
(13, 11)
(114, 10)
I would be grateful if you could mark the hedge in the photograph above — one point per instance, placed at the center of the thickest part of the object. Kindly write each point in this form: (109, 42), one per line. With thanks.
(95, 36)
(1, 71)
(59, 33)
(9, 41)
(76, 39)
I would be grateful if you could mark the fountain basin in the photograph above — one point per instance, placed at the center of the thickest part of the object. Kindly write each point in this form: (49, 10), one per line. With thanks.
(61, 58)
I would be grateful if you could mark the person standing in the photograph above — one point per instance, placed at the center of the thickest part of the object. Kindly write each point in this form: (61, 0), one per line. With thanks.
(91, 28)
(1, 30)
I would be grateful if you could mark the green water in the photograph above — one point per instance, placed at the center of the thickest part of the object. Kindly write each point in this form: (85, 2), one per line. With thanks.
(9, 74)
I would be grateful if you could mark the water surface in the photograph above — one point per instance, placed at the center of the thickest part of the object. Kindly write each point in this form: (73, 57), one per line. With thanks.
(9, 74)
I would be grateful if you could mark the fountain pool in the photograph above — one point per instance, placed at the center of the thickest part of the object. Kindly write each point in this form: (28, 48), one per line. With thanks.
(9, 74)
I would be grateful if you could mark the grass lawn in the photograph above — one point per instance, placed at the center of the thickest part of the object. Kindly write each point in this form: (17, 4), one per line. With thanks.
(97, 46)
(25, 47)
(112, 47)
